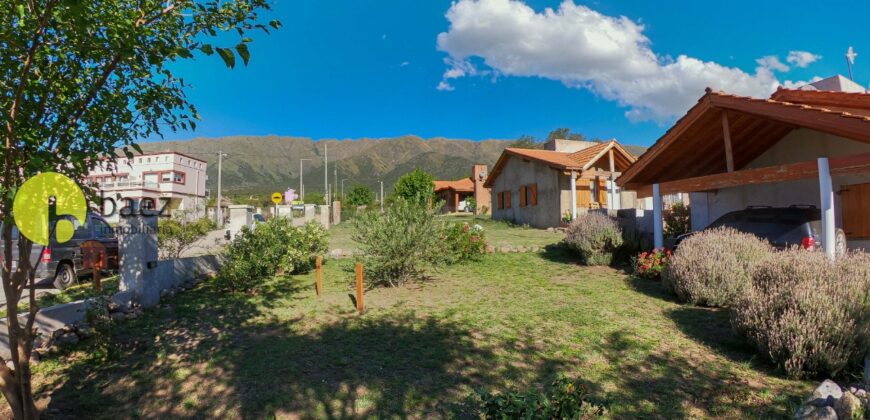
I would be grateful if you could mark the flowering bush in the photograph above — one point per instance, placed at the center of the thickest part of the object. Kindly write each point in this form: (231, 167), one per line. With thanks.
(712, 267)
(677, 220)
(807, 313)
(649, 265)
(595, 237)
(462, 242)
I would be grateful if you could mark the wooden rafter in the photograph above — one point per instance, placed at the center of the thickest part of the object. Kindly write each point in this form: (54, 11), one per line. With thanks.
(788, 172)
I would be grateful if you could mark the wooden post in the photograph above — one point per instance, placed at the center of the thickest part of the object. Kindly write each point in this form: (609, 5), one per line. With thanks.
(318, 284)
(359, 288)
(726, 131)
(98, 268)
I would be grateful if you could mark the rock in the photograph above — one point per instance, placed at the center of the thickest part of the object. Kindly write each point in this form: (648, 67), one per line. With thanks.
(490, 249)
(69, 338)
(85, 332)
(132, 315)
(551, 230)
(336, 253)
(848, 406)
(826, 394)
(535, 248)
(117, 316)
(810, 412)
(861, 393)
(504, 249)
(113, 307)
(522, 249)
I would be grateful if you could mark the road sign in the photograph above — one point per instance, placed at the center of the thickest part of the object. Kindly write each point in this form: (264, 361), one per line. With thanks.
(277, 198)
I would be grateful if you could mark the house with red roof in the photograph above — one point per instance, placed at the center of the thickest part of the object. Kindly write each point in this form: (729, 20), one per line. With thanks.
(541, 187)
(801, 147)
(456, 194)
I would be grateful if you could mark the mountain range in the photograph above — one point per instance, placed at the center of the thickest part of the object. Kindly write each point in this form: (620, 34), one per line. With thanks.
(255, 166)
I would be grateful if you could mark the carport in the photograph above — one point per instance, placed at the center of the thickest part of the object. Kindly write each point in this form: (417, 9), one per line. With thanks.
(799, 147)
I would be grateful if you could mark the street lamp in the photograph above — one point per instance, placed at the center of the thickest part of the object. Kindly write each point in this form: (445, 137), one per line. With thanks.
(301, 184)
(342, 188)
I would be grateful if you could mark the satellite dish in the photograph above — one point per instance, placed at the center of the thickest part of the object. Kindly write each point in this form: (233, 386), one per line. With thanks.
(481, 175)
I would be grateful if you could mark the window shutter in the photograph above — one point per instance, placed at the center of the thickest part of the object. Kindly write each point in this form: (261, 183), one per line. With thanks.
(533, 190)
(523, 196)
(500, 200)
(507, 199)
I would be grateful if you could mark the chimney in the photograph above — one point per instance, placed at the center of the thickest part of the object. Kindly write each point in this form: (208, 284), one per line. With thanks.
(567, 146)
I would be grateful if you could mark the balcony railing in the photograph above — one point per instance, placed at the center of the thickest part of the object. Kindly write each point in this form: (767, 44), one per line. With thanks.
(130, 184)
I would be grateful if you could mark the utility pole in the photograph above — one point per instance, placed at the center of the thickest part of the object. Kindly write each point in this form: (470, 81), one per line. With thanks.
(335, 180)
(326, 172)
(342, 188)
(301, 184)
(382, 196)
(219, 211)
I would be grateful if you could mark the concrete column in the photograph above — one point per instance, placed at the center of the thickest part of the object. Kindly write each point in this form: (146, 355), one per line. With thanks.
(826, 189)
(324, 215)
(336, 212)
(658, 222)
(573, 195)
(137, 249)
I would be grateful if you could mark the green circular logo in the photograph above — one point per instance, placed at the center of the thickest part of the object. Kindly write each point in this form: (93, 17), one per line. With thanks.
(31, 212)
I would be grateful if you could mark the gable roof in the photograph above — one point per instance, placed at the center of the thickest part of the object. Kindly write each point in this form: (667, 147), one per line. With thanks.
(462, 185)
(576, 161)
(694, 146)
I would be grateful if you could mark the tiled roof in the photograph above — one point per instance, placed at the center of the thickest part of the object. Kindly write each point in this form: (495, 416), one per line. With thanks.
(462, 185)
(838, 113)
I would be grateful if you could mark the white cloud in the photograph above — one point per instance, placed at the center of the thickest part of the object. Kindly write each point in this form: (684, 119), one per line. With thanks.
(445, 86)
(802, 58)
(772, 62)
(585, 49)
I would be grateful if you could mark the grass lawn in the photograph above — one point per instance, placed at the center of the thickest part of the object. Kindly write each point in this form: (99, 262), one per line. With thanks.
(419, 351)
(497, 233)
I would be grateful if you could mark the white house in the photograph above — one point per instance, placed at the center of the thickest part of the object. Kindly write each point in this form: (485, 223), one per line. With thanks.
(168, 181)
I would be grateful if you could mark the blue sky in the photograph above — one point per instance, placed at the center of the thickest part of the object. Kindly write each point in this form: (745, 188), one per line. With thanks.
(354, 68)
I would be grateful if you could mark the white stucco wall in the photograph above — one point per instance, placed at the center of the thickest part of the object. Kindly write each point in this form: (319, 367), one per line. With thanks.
(799, 146)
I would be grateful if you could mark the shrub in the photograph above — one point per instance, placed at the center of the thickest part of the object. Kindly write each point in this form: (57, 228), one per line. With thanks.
(677, 220)
(417, 187)
(713, 267)
(398, 243)
(462, 242)
(178, 234)
(272, 247)
(649, 265)
(360, 195)
(808, 314)
(566, 399)
(595, 237)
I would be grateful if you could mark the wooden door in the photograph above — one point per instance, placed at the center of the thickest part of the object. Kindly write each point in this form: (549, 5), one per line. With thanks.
(585, 197)
(856, 210)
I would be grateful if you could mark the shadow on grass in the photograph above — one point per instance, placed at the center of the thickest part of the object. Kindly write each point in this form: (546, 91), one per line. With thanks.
(684, 385)
(560, 253)
(651, 288)
(216, 356)
(712, 327)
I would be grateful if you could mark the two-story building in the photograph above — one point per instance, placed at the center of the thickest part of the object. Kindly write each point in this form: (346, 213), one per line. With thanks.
(170, 181)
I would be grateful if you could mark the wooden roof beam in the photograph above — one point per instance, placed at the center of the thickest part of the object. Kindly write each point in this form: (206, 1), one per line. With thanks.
(789, 172)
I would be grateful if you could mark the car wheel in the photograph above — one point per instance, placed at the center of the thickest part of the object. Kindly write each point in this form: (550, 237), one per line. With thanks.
(840, 243)
(65, 276)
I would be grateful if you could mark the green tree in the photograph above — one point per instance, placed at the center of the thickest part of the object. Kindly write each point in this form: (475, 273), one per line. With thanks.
(416, 187)
(360, 195)
(565, 133)
(314, 197)
(81, 81)
(179, 232)
(526, 142)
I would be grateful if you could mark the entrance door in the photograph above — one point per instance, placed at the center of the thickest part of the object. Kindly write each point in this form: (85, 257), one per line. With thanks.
(586, 192)
(856, 208)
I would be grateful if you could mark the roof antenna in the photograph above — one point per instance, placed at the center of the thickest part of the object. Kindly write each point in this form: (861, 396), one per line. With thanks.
(850, 59)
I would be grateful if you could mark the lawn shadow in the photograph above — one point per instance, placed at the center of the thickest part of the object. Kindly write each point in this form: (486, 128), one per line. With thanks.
(712, 327)
(560, 253)
(221, 355)
(651, 288)
(682, 384)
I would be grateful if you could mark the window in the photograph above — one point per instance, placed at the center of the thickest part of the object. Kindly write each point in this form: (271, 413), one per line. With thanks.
(166, 177)
(103, 230)
(82, 231)
(533, 194)
(523, 196)
(178, 177)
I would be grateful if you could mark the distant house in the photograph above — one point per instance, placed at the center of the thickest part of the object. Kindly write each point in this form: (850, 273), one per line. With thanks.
(170, 181)
(809, 146)
(455, 194)
(539, 187)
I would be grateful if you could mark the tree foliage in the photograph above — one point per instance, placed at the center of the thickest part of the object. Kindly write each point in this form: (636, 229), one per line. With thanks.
(177, 234)
(80, 79)
(417, 187)
(565, 133)
(360, 195)
(314, 198)
(526, 142)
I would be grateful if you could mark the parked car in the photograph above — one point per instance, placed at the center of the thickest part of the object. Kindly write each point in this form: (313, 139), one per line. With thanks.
(783, 227)
(62, 262)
